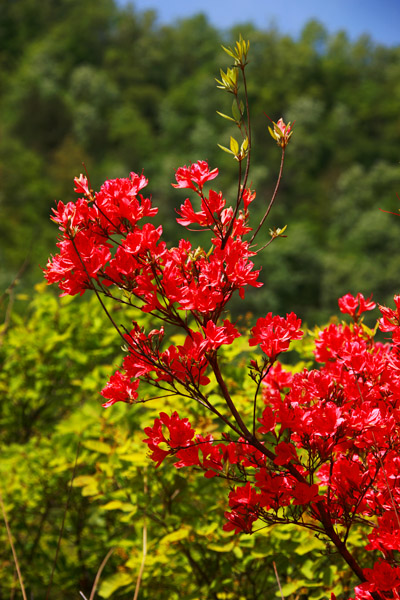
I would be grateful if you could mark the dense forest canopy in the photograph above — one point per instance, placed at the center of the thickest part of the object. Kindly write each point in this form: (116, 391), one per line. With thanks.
(103, 84)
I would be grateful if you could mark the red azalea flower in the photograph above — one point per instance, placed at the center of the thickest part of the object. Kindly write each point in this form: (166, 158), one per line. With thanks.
(180, 435)
(273, 334)
(305, 494)
(194, 175)
(355, 306)
(220, 335)
(285, 453)
(382, 577)
(120, 388)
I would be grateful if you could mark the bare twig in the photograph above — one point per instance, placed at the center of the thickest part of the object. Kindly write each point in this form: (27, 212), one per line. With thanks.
(99, 572)
(261, 379)
(10, 292)
(144, 551)
(63, 523)
(21, 583)
(277, 579)
(273, 197)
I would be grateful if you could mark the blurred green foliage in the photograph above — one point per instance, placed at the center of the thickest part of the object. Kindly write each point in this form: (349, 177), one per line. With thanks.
(61, 452)
(103, 84)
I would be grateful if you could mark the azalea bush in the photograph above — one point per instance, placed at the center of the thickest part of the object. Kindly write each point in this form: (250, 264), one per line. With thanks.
(317, 449)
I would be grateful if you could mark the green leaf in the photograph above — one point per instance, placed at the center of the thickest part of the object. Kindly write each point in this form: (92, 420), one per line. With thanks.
(225, 149)
(207, 529)
(308, 569)
(83, 480)
(89, 485)
(175, 536)
(225, 116)
(228, 51)
(100, 447)
(222, 547)
(236, 112)
(244, 146)
(290, 587)
(312, 543)
(234, 146)
(139, 459)
(118, 505)
(113, 583)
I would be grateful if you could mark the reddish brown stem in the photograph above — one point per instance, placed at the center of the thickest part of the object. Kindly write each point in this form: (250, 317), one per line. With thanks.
(273, 197)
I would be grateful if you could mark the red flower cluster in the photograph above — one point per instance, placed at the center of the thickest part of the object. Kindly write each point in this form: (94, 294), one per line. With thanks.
(324, 447)
(274, 334)
(92, 257)
(180, 435)
(333, 441)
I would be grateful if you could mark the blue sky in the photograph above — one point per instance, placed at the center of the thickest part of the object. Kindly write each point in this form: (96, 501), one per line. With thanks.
(379, 18)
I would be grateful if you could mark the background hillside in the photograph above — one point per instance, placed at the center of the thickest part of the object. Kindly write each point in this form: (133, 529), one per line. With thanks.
(99, 83)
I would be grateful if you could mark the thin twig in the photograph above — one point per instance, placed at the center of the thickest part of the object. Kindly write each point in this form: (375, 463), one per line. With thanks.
(10, 292)
(261, 379)
(99, 572)
(269, 242)
(273, 197)
(241, 429)
(144, 551)
(277, 579)
(21, 583)
(63, 523)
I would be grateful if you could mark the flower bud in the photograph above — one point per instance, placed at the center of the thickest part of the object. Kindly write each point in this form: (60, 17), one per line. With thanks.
(281, 132)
